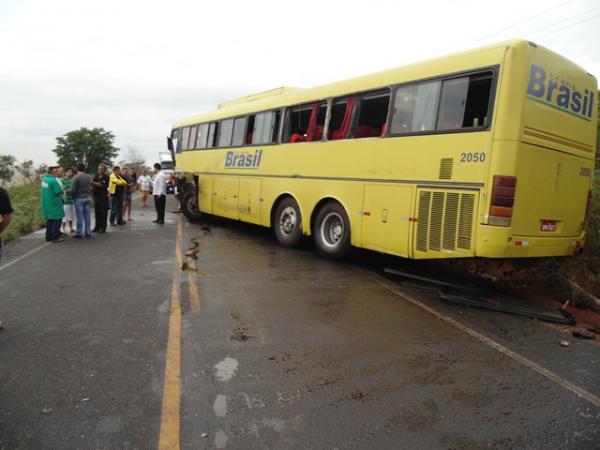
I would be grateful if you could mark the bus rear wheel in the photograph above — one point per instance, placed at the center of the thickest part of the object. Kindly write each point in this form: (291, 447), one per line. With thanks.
(189, 205)
(287, 223)
(332, 231)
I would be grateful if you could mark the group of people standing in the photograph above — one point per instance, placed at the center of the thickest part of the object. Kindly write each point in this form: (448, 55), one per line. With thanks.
(72, 197)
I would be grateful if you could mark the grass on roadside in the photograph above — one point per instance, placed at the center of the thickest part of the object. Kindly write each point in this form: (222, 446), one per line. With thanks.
(26, 203)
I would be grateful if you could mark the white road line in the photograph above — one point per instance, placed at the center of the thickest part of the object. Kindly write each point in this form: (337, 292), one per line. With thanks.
(29, 253)
(580, 392)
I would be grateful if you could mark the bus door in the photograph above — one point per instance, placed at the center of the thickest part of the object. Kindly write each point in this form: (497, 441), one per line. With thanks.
(385, 220)
(445, 223)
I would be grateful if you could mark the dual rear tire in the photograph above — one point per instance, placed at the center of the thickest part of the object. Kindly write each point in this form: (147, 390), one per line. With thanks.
(331, 233)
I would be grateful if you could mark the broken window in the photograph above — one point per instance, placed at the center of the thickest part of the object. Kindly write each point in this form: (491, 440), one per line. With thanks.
(372, 114)
(306, 122)
(465, 102)
(340, 118)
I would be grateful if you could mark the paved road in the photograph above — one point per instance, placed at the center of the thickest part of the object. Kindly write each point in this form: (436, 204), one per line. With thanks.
(108, 344)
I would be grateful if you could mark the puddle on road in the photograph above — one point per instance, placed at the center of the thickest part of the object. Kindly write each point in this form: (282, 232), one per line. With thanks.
(225, 370)
(220, 406)
(221, 439)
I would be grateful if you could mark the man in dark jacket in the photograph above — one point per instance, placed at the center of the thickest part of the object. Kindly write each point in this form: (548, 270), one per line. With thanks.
(101, 201)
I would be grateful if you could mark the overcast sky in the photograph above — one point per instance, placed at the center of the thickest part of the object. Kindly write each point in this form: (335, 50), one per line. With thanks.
(135, 67)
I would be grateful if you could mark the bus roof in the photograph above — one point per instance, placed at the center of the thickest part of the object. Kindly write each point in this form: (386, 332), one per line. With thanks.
(280, 97)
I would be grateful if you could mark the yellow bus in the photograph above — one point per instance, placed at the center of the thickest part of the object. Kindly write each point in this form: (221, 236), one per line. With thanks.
(485, 153)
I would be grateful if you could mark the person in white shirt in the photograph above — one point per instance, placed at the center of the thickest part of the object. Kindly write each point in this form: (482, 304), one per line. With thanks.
(159, 190)
(144, 182)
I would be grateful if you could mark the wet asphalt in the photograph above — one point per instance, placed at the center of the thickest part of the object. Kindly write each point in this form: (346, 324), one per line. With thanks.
(280, 350)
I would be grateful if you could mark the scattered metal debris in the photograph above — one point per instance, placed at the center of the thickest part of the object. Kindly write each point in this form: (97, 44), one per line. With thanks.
(204, 435)
(564, 343)
(478, 297)
(583, 334)
(435, 281)
(47, 411)
(512, 305)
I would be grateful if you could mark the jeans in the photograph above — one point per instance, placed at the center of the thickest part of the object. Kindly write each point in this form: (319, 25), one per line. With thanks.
(53, 229)
(83, 207)
(116, 209)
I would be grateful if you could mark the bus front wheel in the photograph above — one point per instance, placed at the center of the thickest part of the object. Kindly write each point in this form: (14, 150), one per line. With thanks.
(332, 231)
(189, 205)
(287, 223)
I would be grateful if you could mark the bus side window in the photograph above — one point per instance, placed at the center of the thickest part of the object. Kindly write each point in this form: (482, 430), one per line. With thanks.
(225, 133)
(185, 138)
(212, 135)
(415, 107)
(192, 141)
(464, 102)
(372, 114)
(306, 122)
(250, 130)
(202, 135)
(239, 130)
(341, 118)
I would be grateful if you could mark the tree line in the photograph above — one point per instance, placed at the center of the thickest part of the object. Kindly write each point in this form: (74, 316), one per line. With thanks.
(88, 146)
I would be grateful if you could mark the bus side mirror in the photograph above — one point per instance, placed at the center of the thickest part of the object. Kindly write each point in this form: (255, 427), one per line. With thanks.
(169, 144)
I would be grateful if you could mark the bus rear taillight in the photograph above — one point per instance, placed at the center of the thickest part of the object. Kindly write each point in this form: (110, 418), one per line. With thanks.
(503, 199)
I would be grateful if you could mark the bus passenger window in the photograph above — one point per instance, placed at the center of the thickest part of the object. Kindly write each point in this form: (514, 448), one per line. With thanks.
(202, 135)
(212, 135)
(185, 138)
(464, 102)
(250, 130)
(415, 107)
(372, 114)
(239, 128)
(306, 122)
(266, 127)
(341, 118)
(192, 142)
(225, 133)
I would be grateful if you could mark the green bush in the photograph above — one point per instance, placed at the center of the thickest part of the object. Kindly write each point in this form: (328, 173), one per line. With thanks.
(26, 203)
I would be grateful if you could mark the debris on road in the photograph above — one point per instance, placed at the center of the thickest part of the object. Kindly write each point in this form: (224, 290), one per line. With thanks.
(87, 399)
(47, 411)
(429, 280)
(204, 435)
(477, 297)
(508, 304)
(583, 334)
(564, 343)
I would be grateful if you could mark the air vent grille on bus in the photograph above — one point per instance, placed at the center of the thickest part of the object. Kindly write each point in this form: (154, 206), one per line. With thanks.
(446, 168)
(445, 221)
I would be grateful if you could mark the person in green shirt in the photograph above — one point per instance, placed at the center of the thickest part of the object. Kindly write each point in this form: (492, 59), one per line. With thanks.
(67, 182)
(52, 205)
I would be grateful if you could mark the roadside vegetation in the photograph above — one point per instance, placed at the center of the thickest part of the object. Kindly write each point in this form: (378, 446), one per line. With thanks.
(27, 218)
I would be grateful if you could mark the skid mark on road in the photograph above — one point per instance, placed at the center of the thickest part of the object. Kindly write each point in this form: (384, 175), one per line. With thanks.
(170, 417)
(580, 392)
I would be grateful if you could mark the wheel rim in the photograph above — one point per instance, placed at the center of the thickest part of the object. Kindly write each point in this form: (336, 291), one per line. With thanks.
(288, 220)
(332, 230)
(192, 204)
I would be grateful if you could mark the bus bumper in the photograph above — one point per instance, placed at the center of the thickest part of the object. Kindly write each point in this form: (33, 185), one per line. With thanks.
(499, 242)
